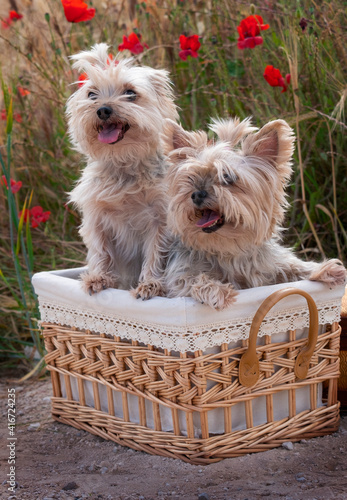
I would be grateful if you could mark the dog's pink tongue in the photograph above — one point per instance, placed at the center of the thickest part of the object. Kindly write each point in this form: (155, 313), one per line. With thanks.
(208, 218)
(110, 133)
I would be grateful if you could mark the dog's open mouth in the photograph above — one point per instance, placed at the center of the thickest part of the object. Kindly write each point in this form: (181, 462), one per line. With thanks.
(209, 220)
(110, 133)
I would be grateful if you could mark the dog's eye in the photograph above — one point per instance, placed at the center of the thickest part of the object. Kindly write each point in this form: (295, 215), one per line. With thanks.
(131, 95)
(230, 179)
(92, 95)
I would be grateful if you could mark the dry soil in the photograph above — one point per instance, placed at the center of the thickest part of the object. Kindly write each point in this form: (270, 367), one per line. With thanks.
(55, 461)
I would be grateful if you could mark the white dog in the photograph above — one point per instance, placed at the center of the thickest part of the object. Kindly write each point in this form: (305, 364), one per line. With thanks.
(226, 206)
(115, 119)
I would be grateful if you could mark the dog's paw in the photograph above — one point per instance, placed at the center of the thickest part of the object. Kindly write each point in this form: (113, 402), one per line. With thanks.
(217, 295)
(148, 289)
(331, 272)
(94, 282)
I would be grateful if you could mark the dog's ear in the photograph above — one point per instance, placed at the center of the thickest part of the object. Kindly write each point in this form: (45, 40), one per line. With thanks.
(98, 56)
(179, 144)
(162, 85)
(231, 131)
(274, 143)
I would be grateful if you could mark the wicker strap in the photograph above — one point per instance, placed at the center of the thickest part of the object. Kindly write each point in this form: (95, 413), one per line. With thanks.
(249, 362)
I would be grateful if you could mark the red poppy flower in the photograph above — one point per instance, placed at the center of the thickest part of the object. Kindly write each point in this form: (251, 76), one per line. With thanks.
(13, 16)
(275, 79)
(16, 116)
(15, 186)
(23, 92)
(26, 214)
(132, 43)
(77, 11)
(249, 31)
(82, 79)
(190, 46)
(36, 215)
(111, 60)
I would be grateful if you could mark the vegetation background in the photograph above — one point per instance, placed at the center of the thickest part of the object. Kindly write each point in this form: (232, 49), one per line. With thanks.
(306, 39)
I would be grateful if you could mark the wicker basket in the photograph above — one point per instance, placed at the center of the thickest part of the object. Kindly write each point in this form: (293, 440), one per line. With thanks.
(204, 405)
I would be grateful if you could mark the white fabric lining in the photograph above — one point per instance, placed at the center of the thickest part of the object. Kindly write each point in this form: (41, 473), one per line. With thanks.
(182, 339)
(215, 416)
(177, 324)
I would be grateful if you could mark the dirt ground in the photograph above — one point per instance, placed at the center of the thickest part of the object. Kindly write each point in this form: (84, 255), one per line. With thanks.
(55, 461)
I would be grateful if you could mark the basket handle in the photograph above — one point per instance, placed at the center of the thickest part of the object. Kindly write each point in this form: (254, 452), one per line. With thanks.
(249, 363)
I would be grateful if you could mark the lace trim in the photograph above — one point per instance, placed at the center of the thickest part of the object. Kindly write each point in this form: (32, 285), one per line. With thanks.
(183, 339)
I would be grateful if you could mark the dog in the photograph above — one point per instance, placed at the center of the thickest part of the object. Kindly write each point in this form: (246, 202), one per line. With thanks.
(226, 208)
(115, 119)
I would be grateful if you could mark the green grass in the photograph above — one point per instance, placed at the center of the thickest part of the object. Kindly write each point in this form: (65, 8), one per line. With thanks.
(223, 81)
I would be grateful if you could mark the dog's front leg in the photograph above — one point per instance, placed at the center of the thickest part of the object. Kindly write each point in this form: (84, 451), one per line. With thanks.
(212, 292)
(331, 272)
(200, 287)
(155, 256)
(101, 273)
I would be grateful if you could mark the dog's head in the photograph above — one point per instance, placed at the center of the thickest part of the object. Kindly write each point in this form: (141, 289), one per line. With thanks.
(223, 198)
(120, 109)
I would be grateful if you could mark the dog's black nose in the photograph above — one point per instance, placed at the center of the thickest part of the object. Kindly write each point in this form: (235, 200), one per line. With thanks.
(104, 112)
(199, 196)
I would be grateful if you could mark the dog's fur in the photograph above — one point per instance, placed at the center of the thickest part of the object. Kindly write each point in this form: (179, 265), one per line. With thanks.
(239, 214)
(120, 193)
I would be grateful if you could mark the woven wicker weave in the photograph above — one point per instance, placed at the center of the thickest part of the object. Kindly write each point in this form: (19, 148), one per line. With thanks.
(194, 383)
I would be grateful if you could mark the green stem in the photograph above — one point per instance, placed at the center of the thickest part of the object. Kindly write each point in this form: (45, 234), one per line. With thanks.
(13, 226)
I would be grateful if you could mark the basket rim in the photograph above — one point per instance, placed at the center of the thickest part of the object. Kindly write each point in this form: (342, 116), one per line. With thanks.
(176, 324)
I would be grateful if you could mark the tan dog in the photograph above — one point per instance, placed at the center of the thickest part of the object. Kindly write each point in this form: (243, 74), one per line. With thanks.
(226, 208)
(115, 120)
